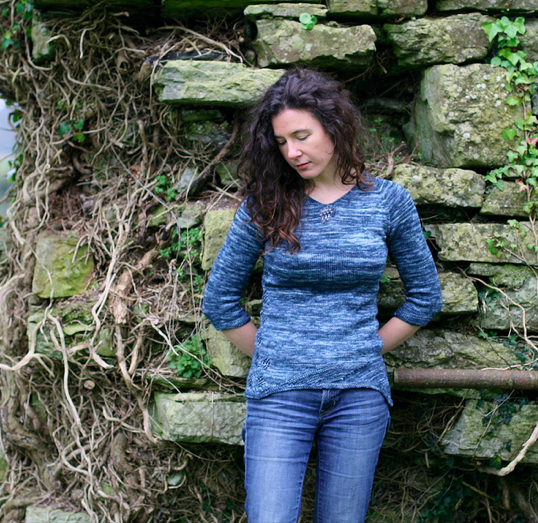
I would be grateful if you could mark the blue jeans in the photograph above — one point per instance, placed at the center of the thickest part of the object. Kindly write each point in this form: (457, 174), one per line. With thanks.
(348, 426)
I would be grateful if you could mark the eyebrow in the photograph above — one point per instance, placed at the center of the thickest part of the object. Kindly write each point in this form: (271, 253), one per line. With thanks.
(296, 132)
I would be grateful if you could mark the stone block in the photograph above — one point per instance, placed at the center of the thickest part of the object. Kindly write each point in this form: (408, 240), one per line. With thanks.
(227, 172)
(212, 83)
(508, 202)
(515, 303)
(282, 42)
(194, 417)
(472, 437)
(449, 187)
(468, 242)
(178, 8)
(454, 39)
(52, 515)
(529, 41)
(459, 115)
(459, 294)
(224, 355)
(77, 324)
(450, 350)
(504, 275)
(291, 11)
(42, 48)
(185, 215)
(216, 226)
(61, 270)
(526, 6)
(363, 8)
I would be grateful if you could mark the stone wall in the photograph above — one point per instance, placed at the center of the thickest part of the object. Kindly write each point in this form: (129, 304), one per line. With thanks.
(454, 126)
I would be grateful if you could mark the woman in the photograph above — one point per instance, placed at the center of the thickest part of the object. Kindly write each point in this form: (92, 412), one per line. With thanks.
(324, 228)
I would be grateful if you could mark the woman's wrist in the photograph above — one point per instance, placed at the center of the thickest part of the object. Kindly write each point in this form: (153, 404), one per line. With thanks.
(243, 337)
(395, 332)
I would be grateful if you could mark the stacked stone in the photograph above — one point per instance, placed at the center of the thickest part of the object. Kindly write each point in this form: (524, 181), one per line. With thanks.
(456, 122)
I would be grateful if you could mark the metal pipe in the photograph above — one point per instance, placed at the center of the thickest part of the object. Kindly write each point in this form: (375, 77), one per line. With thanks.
(466, 378)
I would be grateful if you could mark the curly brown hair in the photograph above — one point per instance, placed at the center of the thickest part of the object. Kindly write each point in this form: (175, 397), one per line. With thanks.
(274, 191)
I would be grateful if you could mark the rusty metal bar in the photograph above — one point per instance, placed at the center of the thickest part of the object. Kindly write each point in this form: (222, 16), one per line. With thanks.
(466, 378)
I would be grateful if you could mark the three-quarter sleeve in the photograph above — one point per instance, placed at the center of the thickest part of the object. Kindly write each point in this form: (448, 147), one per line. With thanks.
(409, 251)
(231, 273)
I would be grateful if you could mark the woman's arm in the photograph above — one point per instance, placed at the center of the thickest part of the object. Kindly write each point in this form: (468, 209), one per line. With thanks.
(243, 337)
(395, 332)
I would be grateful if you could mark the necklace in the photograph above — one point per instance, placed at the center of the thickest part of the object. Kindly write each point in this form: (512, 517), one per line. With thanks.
(326, 213)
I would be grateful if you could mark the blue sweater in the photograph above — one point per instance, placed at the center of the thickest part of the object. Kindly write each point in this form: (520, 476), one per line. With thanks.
(318, 320)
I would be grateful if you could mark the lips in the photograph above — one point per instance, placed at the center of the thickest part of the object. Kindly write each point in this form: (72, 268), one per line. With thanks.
(302, 165)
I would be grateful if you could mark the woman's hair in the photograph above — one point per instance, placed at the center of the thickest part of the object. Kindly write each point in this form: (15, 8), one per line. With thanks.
(274, 191)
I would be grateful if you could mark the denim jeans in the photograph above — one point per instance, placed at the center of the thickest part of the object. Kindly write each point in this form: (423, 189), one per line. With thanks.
(348, 426)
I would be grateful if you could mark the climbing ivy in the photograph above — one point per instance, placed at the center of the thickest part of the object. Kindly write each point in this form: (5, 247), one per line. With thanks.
(521, 83)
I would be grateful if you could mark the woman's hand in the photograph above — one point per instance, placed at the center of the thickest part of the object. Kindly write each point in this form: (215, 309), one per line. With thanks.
(243, 337)
(395, 332)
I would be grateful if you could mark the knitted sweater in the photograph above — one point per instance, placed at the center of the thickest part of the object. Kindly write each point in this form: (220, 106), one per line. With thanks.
(318, 320)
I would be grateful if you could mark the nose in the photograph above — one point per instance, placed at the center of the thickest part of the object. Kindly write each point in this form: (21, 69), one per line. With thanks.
(293, 152)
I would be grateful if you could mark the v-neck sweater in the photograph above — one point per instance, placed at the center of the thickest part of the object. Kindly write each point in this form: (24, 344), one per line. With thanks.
(318, 320)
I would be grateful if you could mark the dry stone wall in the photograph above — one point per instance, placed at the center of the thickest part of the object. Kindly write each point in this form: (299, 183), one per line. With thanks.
(454, 125)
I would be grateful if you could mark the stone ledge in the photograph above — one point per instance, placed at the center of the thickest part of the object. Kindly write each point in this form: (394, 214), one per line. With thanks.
(446, 349)
(448, 187)
(212, 83)
(467, 242)
(382, 8)
(52, 515)
(508, 202)
(282, 42)
(468, 438)
(291, 11)
(193, 417)
(488, 5)
(454, 39)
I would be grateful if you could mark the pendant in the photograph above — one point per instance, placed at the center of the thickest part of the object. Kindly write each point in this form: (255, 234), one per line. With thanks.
(326, 213)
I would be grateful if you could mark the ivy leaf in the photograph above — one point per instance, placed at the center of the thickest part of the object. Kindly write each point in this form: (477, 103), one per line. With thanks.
(509, 134)
(491, 29)
(513, 101)
(495, 60)
(64, 128)
(79, 137)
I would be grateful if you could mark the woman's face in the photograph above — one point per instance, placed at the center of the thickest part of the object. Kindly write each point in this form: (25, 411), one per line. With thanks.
(305, 144)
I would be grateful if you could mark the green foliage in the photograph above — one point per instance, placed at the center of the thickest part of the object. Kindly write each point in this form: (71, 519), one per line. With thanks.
(504, 408)
(521, 79)
(165, 188)
(186, 245)
(21, 25)
(384, 279)
(189, 358)
(71, 127)
(489, 297)
(308, 21)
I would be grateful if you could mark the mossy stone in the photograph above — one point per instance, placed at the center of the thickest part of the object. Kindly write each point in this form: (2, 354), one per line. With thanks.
(508, 202)
(198, 417)
(427, 41)
(61, 269)
(212, 83)
(459, 115)
(282, 42)
(472, 435)
(448, 187)
(292, 11)
(52, 515)
(216, 226)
